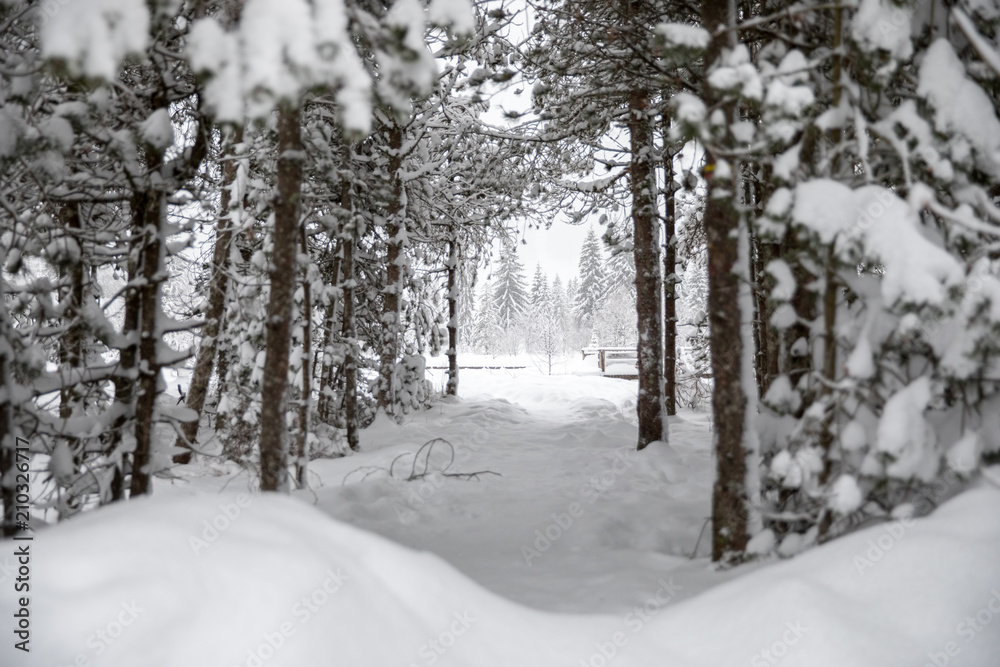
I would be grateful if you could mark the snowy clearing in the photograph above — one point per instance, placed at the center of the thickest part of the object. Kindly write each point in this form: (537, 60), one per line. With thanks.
(574, 553)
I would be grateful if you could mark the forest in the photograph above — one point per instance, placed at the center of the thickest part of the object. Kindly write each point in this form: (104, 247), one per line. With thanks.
(273, 246)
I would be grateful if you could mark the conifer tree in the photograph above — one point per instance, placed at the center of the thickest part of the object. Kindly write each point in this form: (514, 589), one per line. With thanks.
(591, 284)
(539, 288)
(510, 295)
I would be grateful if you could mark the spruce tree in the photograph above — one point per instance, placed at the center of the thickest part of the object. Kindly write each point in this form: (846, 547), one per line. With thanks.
(539, 288)
(591, 286)
(620, 273)
(510, 294)
(487, 330)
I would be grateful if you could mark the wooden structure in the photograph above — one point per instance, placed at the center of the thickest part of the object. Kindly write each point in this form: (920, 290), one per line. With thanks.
(615, 358)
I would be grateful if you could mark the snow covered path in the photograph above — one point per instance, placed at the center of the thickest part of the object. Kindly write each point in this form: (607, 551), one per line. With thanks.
(581, 546)
(574, 520)
(567, 515)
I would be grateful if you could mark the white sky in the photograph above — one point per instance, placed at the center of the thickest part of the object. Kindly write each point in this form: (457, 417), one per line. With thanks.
(557, 249)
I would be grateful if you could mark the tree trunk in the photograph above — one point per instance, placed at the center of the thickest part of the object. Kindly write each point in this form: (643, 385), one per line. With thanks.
(394, 228)
(453, 266)
(669, 278)
(721, 219)
(71, 343)
(302, 467)
(222, 367)
(351, 346)
(761, 326)
(324, 407)
(830, 286)
(273, 454)
(770, 338)
(830, 277)
(649, 406)
(152, 209)
(217, 288)
(751, 441)
(124, 377)
(8, 440)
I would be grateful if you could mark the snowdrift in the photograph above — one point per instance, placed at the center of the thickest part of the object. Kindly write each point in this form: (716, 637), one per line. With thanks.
(238, 580)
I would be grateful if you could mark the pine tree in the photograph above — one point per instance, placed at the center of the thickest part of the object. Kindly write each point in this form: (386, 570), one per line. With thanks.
(722, 220)
(487, 330)
(539, 288)
(620, 273)
(560, 300)
(591, 286)
(510, 295)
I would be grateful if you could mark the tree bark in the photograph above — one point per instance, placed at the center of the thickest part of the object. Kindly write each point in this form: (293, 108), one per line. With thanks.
(770, 338)
(351, 346)
(721, 219)
(217, 288)
(669, 278)
(830, 278)
(125, 374)
(649, 406)
(330, 316)
(394, 228)
(305, 401)
(71, 342)
(452, 387)
(273, 452)
(8, 439)
(152, 209)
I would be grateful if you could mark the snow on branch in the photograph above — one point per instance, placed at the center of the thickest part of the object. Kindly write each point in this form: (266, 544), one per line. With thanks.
(596, 185)
(93, 37)
(281, 48)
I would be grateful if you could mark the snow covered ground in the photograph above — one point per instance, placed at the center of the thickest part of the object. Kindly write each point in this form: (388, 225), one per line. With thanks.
(530, 534)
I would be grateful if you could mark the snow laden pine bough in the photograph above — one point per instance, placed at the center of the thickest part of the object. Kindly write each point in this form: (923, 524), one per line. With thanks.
(281, 584)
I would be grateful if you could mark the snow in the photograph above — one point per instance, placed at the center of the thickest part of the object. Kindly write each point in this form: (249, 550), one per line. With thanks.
(456, 14)
(157, 130)
(905, 435)
(861, 363)
(58, 131)
(762, 543)
(963, 456)
(621, 369)
(683, 35)
(887, 229)
(784, 316)
(853, 436)
(576, 550)
(846, 496)
(11, 127)
(786, 164)
(409, 65)
(883, 25)
(784, 288)
(907, 117)
(782, 396)
(961, 107)
(735, 72)
(689, 108)
(280, 49)
(983, 48)
(796, 469)
(63, 250)
(239, 579)
(787, 92)
(408, 17)
(93, 37)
